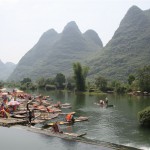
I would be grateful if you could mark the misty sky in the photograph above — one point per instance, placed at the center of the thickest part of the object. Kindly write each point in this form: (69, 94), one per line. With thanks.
(22, 22)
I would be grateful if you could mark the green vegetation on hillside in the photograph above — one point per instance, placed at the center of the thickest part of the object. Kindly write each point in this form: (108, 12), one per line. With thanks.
(128, 50)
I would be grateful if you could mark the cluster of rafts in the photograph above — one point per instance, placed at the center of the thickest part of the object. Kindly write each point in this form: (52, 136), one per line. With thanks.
(38, 110)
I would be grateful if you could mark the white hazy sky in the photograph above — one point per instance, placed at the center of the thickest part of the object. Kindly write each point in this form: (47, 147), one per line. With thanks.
(22, 22)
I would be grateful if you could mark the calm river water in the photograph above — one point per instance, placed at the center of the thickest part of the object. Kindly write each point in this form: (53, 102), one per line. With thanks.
(116, 124)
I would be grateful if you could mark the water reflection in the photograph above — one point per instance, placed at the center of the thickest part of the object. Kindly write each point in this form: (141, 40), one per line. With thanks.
(79, 100)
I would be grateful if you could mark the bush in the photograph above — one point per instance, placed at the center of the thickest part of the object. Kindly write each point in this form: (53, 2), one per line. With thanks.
(144, 116)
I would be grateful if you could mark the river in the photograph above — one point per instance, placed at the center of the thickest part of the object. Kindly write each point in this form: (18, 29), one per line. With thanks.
(118, 124)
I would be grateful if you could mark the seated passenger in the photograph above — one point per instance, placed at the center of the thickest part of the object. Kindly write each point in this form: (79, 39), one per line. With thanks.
(70, 118)
(58, 105)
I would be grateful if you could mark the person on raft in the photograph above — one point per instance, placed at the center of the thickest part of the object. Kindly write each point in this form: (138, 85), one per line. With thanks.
(30, 113)
(103, 102)
(56, 128)
(106, 101)
(70, 118)
(58, 105)
(29, 116)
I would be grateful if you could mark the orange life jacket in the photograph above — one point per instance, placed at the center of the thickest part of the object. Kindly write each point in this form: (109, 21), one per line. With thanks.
(68, 117)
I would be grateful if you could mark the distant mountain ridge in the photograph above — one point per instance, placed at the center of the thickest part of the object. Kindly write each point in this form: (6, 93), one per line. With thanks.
(6, 69)
(129, 48)
(55, 52)
(127, 51)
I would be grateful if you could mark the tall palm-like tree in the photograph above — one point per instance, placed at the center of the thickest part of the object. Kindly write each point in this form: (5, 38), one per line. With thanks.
(80, 74)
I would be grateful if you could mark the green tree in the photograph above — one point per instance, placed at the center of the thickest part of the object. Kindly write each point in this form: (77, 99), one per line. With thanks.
(50, 84)
(50, 81)
(60, 80)
(101, 83)
(135, 85)
(25, 80)
(70, 83)
(80, 74)
(26, 83)
(131, 78)
(41, 82)
(118, 86)
(144, 78)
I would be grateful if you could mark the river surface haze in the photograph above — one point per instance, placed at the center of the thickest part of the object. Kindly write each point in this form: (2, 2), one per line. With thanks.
(118, 124)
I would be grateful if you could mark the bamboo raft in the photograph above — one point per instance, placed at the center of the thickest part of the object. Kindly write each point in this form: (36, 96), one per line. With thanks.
(79, 119)
(12, 121)
(50, 133)
(104, 106)
(23, 120)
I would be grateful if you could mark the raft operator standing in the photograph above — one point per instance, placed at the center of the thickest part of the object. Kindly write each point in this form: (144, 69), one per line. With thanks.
(30, 113)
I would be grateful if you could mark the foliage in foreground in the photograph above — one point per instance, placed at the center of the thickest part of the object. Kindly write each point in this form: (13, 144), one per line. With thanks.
(144, 116)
